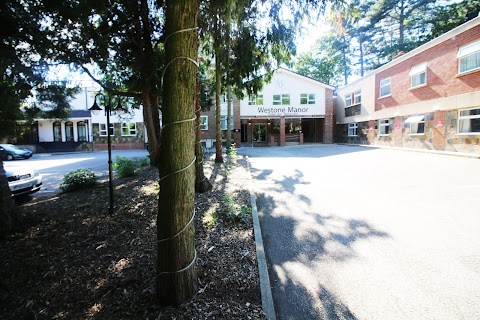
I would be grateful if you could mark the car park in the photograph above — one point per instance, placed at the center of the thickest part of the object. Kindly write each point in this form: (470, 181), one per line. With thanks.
(11, 152)
(23, 180)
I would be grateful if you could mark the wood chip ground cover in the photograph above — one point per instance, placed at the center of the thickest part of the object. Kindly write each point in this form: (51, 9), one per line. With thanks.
(68, 259)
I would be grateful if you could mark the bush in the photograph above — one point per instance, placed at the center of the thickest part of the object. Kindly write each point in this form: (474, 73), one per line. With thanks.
(126, 167)
(78, 179)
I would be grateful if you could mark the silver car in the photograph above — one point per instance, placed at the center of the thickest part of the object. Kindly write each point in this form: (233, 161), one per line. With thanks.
(23, 180)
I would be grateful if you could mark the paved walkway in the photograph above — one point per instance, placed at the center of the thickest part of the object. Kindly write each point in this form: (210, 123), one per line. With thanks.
(360, 233)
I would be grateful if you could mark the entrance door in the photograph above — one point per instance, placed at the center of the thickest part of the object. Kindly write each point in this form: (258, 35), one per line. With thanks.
(260, 132)
(244, 132)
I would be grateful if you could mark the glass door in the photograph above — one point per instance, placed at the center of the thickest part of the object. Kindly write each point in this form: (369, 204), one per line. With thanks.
(259, 132)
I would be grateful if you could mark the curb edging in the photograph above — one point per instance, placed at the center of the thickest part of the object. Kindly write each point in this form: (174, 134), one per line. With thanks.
(265, 288)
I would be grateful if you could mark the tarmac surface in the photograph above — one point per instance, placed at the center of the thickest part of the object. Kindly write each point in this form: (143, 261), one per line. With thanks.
(364, 233)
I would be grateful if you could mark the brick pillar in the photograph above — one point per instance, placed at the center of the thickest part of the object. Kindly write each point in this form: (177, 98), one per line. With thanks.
(371, 132)
(237, 123)
(439, 132)
(329, 126)
(397, 132)
(282, 132)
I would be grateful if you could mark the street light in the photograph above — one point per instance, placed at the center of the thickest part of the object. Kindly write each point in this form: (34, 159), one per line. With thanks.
(108, 111)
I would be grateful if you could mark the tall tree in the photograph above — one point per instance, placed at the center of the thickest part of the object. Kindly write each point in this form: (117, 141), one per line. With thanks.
(121, 39)
(452, 15)
(22, 73)
(176, 276)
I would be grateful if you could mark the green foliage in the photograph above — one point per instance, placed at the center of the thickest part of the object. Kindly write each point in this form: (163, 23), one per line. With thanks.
(78, 179)
(210, 218)
(126, 167)
(233, 212)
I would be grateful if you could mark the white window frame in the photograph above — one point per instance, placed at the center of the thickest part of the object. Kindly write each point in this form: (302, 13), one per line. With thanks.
(204, 123)
(127, 126)
(418, 75)
(348, 100)
(281, 99)
(385, 83)
(102, 129)
(357, 97)
(223, 123)
(468, 118)
(383, 125)
(414, 122)
(307, 98)
(353, 129)
(470, 51)
(223, 98)
(255, 100)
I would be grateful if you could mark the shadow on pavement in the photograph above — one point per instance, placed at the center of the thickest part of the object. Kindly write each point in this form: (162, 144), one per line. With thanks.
(297, 239)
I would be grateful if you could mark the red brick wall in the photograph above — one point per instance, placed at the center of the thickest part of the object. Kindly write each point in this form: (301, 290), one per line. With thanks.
(329, 127)
(442, 74)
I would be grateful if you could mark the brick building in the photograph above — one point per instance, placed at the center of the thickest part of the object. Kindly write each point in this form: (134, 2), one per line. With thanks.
(290, 109)
(428, 98)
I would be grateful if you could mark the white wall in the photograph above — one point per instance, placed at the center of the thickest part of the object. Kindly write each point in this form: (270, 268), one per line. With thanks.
(285, 82)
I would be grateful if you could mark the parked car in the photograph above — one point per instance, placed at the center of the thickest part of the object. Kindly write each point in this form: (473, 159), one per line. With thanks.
(10, 152)
(23, 180)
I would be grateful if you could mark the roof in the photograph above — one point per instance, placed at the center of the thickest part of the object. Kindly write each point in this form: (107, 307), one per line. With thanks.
(298, 75)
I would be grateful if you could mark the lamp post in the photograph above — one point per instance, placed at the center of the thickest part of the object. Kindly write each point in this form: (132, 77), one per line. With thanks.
(108, 111)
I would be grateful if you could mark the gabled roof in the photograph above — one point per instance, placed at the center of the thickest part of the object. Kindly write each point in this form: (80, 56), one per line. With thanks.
(292, 73)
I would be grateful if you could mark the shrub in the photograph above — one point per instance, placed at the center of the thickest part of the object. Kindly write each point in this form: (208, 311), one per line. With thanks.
(78, 179)
(126, 167)
(233, 212)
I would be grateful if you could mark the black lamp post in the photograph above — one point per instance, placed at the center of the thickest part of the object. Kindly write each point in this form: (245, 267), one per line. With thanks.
(108, 111)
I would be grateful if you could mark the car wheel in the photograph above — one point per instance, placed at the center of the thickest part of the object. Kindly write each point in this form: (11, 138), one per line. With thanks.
(9, 157)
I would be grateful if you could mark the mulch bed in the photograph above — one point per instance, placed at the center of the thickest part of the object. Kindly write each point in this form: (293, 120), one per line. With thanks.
(69, 259)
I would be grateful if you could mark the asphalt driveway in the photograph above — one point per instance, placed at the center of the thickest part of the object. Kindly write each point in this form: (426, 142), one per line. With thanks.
(361, 233)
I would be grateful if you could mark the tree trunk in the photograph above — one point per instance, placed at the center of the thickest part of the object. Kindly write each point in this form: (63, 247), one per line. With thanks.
(176, 259)
(201, 182)
(229, 115)
(6, 205)
(218, 92)
(401, 40)
(151, 117)
(362, 71)
(151, 114)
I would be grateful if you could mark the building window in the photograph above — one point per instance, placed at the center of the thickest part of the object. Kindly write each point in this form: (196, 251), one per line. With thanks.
(129, 129)
(68, 131)
(57, 131)
(417, 124)
(307, 98)
(469, 121)
(223, 122)
(385, 87)
(223, 98)
(281, 99)
(352, 129)
(418, 75)
(103, 129)
(384, 127)
(348, 100)
(469, 57)
(255, 100)
(357, 97)
(204, 123)
(81, 131)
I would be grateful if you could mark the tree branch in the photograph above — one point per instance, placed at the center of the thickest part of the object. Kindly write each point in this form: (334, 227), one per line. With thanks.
(109, 89)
